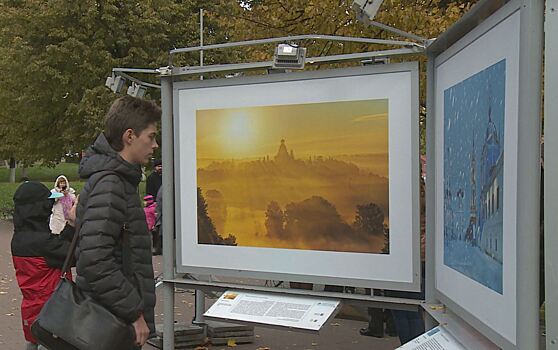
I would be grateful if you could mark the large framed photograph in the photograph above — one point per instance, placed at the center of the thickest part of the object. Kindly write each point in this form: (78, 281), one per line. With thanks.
(308, 177)
(477, 156)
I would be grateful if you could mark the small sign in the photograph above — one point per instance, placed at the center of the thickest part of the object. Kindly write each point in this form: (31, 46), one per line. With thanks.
(294, 312)
(437, 338)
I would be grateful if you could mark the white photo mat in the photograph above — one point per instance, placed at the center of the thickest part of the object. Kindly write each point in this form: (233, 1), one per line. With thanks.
(400, 267)
(497, 311)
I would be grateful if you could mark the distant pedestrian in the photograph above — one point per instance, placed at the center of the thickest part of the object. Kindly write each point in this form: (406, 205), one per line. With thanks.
(410, 324)
(62, 205)
(149, 206)
(155, 179)
(157, 231)
(37, 254)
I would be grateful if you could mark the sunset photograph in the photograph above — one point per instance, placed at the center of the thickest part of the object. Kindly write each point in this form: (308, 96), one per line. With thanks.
(306, 176)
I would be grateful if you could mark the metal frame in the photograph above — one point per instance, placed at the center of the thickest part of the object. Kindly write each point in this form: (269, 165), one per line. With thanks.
(359, 71)
(194, 70)
(168, 75)
(167, 132)
(551, 165)
(294, 38)
(456, 38)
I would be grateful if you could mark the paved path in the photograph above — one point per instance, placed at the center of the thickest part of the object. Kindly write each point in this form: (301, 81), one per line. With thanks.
(338, 335)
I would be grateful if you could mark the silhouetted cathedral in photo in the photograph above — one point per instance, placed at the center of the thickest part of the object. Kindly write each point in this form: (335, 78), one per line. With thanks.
(283, 155)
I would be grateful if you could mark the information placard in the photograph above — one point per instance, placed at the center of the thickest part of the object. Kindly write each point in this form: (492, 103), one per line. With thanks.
(437, 338)
(302, 313)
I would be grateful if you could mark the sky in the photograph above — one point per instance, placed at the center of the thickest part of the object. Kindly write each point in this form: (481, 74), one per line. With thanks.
(326, 129)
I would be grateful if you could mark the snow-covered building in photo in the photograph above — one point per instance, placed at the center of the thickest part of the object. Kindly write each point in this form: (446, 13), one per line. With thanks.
(492, 179)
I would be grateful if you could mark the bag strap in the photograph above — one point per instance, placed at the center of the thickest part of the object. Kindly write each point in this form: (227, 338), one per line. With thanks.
(71, 250)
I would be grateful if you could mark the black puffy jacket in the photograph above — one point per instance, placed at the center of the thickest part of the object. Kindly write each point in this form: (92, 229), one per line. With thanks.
(102, 212)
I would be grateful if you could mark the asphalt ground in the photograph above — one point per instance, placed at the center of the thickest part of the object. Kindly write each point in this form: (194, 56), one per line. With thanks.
(339, 334)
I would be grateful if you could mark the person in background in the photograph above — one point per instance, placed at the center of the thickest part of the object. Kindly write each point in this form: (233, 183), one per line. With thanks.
(37, 254)
(155, 179)
(410, 324)
(149, 206)
(62, 205)
(158, 229)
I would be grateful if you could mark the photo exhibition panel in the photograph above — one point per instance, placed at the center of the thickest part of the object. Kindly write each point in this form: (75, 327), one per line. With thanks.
(476, 172)
(310, 176)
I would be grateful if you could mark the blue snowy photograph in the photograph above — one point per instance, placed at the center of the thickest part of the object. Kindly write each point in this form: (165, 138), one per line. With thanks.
(474, 111)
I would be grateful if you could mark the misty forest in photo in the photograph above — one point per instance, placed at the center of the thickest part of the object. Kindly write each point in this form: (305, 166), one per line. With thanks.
(307, 176)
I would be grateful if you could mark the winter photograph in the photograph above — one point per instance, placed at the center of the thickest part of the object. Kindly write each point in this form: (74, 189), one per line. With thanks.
(474, 116)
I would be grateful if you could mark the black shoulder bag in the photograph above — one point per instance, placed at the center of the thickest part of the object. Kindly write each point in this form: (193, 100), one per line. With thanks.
(70, 320)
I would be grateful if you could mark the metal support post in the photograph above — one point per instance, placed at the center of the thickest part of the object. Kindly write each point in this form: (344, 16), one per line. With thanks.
(430, 278)
(551, 174)
(200, 295)
(168, 211)
(528, 174)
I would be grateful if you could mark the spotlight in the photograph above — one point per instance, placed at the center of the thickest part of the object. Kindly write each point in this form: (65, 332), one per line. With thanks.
(137, 90)
(375, 60)
(115, 83)
(289, 56)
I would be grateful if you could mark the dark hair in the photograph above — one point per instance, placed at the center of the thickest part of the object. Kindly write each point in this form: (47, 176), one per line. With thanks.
(129, 112)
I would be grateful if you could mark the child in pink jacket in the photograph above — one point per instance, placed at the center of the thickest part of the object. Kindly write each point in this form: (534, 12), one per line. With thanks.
(149, 210)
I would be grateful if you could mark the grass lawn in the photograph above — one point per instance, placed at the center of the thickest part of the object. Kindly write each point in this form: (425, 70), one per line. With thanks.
(45, 175)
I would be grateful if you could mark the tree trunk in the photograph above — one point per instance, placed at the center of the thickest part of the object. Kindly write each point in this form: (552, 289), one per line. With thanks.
(25, 173)
(12, 170)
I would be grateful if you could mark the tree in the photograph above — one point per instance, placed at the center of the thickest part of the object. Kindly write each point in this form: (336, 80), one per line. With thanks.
(55, 56)
(207, 234)
(254, 19)
(369, 219)
(315, 220)
(274, 220)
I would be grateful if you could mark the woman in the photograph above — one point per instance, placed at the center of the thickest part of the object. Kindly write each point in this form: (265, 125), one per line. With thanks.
(62, 205)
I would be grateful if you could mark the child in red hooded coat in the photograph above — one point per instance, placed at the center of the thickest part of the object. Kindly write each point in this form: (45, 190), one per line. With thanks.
(37, 254)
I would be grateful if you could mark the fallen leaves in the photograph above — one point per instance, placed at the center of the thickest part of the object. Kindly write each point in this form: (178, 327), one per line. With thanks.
(231, 343)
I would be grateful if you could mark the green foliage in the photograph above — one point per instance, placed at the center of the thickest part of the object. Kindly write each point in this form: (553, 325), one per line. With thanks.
(44, 173)
(262, 19)
(55, 55)
(7, 191)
